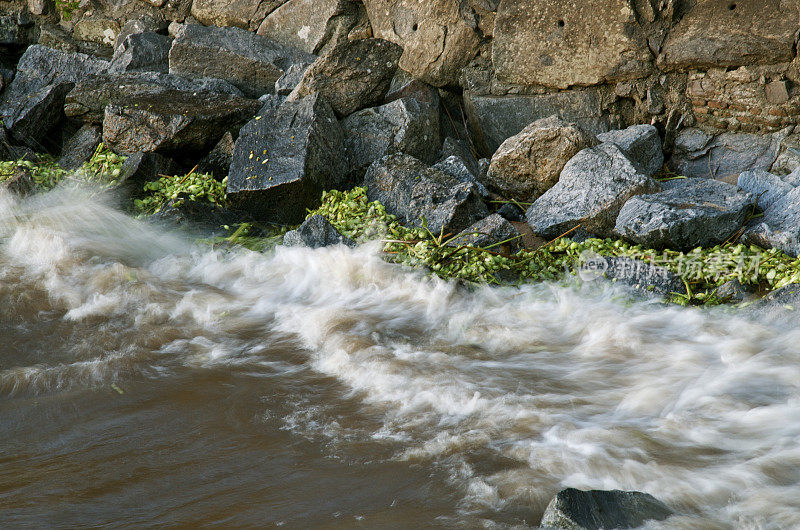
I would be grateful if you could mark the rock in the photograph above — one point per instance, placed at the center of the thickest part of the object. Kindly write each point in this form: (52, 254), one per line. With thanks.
(512, 213)
(765, 187)
(641, 143)
(456, 167)
(238, 13)
(250, 62)
(732, 291)
(99, 30)
(142, 51)
(438, 37)
(196, 215)
(702, 213)
(290, 78)
(590, 192)
(414, 192)
(493, 119)
(285, 157)
(218, 161)
(316, 232)
(529, 163)
(143, 24)
(412, 88)
(140, 168)
(779, 227)
(779, 303)
(14, 29)
(20, 183)
(698, 154)
(490, 232)
(80, 147)
(788, 159)
(560, 43)
(57, 38)
(717, 34)
(88, 100)
(37, 115)
(636, 273)
(574, 509)
(173, 121)
(459, 148)
(304, 24)
(351, 76)
(402, 126)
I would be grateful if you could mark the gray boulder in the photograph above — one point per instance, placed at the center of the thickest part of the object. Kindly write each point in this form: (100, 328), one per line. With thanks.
(351, 76)
(766, 187)
(290, 78)
(512, 212)
(779, 227)
(249, 61)
(88, 100)
(459, 148)
(590, 192)
(417, 195)
(574, 509)
(490, 232)
(530, 162)
(316, 232)
(140, 168)
(636, 273)
(80, 147)
(218, 160)
(456, 167)
(143, 24)
(142, 51)
(173, 121)
(285, 157)
(30, 122)
(402, 126)
(701, 213)
(641, 143)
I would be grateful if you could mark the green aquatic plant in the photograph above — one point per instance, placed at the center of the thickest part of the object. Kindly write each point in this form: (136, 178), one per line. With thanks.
(199, 187)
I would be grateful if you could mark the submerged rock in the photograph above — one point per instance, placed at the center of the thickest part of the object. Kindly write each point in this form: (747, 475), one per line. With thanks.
(700, 213)
(417, 194)
(574, 509)
(590, 192)
(316, 232)
(285, 157)
(641, 143)
(529, 163)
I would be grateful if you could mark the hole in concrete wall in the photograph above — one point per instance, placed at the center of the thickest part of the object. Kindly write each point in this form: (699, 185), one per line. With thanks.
(731, 6)
(561, 23)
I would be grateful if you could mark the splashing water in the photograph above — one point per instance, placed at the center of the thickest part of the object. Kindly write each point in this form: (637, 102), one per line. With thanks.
(472, 407)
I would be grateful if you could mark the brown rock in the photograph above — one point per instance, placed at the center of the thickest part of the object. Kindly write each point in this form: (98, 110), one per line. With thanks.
(236, 13)
(304, 24)
(777, 92)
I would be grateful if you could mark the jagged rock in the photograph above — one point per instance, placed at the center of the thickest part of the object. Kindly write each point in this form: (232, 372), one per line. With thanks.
(529, 163)
(20, 183)
(788, 159)
(590, 192)
(438, 37)
(493, 119)
(14, 29)
(39, 113)
(351, 76)
(57, 38)
(404, 86)
(414, 192)
(143, 24)
(701, 213)
(305, 24)
(779, 227)
(765, 187)
(574, 509)
(142, 51)
(402, 126)
(456, 167)
(99, 30)
(249, 61)
(717, 34)
(219, 159)
(512, 213)
(80, 147)
(732, 291)
(290, 78)
(636, 273)
(641, 143)
(489, 232)
(140, 168)
(459, 148)
(698, 154)
(285, 157)
(88, 100)
(316, 232)
(173, 121)
(561, 43)
(239, 13)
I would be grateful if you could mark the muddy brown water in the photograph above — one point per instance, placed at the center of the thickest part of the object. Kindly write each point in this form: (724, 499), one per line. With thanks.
(147, 380)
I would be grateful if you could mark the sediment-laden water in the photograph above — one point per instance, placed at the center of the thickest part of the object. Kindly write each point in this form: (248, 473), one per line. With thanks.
(147, 380)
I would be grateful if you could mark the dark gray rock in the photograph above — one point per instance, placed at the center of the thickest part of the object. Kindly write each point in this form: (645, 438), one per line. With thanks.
(459, 148)
(80, 147)
(218, 160)
(574, 509)
(316, 232)
(142, 51)
(456, 167)
(140, 168)
(15, 29)
(641, 143)
(778, 304)
(779, 227)
(512, 212)
(285, 157)
(490, 232)
(702, 213)
(249, 61)
(173, 121)
(88, 100)
(417, 194)
(30, 122)
(143, 24)
(590, 192)
(20, 183)
(352, 76)
(638, 274)
(290, 78)
(766, 187)
(402, 126)
(409, 87)
(199, 216)
(732, 291)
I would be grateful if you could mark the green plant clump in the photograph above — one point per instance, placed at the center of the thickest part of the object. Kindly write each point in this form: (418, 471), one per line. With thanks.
(703, 270)
(192, 186)
(67, 8)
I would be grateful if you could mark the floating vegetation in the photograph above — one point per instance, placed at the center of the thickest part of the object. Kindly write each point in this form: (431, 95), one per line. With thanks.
(197, 187)
(103, 168)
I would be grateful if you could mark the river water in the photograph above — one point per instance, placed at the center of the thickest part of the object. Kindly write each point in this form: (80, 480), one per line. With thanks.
(146, 380)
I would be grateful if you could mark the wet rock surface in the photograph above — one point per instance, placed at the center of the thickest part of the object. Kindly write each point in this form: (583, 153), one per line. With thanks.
(574, 509)
(493, 232)
(316, 232)
(641, 143)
